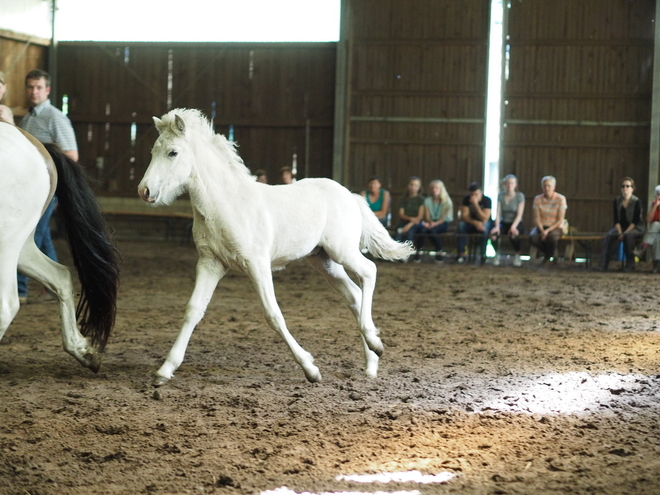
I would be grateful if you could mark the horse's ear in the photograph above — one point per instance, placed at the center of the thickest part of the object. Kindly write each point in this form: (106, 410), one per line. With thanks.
(158, 123)
(179, 125)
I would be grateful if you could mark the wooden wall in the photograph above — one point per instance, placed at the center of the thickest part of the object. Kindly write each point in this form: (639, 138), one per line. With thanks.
(579, 101)
(417, 91)
(278, 98)
(19, 54)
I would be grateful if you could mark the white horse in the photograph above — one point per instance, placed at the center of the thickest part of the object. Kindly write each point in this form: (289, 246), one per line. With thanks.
(30, 173)
(256, 228)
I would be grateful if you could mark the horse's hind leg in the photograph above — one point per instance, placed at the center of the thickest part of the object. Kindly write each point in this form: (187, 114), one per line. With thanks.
(339, 279)
(365, 271)
(9, 304)
(260, 274)
(57, 279)
(209, 273)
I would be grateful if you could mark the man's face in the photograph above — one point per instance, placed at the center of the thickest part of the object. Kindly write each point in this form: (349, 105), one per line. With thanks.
(476, 195)
(37, 91)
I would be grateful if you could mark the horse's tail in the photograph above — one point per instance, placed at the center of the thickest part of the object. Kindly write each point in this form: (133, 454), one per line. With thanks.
(94, 255)
(376, 239)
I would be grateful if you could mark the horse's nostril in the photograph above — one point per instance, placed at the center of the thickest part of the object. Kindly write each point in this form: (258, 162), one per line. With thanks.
(146, 192)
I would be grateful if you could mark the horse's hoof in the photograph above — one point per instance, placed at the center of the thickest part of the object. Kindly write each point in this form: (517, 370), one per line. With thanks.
(159, 381)
(92, 361)
(313, 377)
(376, 346)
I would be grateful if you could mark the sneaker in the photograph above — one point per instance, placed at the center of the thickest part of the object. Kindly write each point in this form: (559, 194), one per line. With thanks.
(656, 266)
(460, 259)
(417, 258)
(22, 300)
(517, 261)
(496, 261)
(439, 257)
(639, 250)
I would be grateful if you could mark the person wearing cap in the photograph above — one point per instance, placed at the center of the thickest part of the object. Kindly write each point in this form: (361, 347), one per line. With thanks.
(5, 112)
(475, 219)
(49, 125)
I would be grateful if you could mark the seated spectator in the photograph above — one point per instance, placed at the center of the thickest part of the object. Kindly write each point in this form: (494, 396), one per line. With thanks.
(508, 220)
(628, 225)
(475, 219)
(411, 212)
(378, 200)
(549, 214)
(652, 235)
(261, 176)
(438, 213)
(286, 175)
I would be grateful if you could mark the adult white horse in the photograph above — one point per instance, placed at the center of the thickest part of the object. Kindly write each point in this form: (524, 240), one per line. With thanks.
(30, 173)
(256, 228)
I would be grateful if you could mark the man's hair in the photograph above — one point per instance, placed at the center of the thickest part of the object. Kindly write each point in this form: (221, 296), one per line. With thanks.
(548, 178)
(38, 74)
(474, 186)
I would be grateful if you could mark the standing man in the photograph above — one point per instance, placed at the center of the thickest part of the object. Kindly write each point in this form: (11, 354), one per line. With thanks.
(48, 125)
(475, 219)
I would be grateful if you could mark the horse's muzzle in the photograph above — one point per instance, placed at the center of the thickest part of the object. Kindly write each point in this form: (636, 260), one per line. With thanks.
(143, 192)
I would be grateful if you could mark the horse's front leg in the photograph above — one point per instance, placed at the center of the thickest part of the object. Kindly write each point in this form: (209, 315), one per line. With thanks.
(261, 276)
(209, 273)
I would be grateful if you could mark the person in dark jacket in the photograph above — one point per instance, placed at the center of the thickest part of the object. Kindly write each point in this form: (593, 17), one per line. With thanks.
(628, 225)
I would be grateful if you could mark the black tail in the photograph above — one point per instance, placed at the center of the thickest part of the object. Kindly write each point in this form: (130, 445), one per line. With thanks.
(93, 253)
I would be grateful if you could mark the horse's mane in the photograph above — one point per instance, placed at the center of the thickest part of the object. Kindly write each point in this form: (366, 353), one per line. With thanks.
(199, 125)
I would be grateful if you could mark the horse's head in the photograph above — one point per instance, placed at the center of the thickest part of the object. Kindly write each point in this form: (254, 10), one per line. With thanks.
(172, 160)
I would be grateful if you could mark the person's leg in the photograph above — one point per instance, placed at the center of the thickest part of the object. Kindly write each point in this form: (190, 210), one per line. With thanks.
(42, 237)
(629, 247)
(400, 236)
(551, 242)
(489, 224)
(610, 237)
(462, 238)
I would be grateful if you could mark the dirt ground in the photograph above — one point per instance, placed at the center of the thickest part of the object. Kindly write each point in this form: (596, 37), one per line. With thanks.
(508, 380)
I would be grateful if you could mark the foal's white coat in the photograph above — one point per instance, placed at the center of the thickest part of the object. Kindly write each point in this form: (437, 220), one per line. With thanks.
(27, 184)
(256, 228)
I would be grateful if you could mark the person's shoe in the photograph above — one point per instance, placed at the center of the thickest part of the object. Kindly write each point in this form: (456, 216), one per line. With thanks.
(417, 258)
(22, 300)
(439, 257)
(639, 250)
(517, 261)
(629, 268)
(656, 266)
(460, 259)
(496, 260)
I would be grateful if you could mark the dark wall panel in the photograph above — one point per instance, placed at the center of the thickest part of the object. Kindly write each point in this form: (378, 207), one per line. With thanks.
(417, 85)
(277, 98)
(579, 101)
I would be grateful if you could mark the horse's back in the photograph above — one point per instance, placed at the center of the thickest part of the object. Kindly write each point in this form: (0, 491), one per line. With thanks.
(311, 213)
(25, 183)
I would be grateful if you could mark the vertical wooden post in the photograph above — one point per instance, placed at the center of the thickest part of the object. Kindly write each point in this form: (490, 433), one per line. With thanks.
(340, 144)
(654, 148)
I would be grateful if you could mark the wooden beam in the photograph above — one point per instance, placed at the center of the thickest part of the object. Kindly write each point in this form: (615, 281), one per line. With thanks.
(654, 148)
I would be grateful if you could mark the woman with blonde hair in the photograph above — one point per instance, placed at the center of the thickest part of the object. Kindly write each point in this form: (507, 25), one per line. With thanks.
(508, 220)
(438, 213)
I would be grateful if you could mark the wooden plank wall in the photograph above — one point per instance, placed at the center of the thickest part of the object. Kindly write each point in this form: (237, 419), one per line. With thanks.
(20, 54)
(572, 62)
(417, 86)
(270, 93)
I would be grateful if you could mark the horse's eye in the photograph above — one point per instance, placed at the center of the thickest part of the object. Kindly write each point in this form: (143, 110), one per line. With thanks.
(172, 153)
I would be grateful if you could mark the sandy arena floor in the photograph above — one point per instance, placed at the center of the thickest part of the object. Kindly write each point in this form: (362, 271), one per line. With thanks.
(508, 381)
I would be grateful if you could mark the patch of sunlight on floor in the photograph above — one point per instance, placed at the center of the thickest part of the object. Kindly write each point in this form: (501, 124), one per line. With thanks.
(285, 491)
(402, 477)
(563, 393)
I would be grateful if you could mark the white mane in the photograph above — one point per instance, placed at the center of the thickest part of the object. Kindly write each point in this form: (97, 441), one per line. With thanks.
(200, 127)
